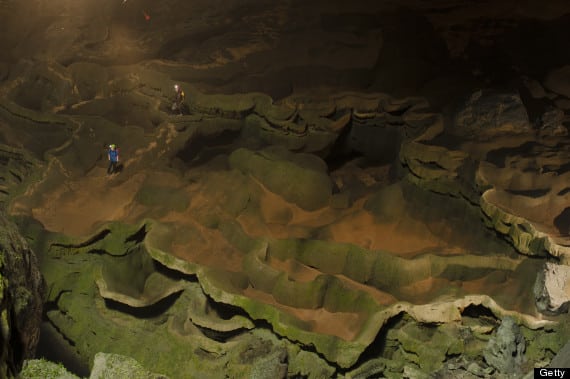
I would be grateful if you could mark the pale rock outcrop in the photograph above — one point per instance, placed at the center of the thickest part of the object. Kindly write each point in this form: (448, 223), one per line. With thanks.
(552, 289)
(118, 366)
(487, 112)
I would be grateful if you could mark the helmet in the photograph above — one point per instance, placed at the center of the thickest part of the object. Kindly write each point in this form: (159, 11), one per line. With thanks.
(176, 87)
(112, 146)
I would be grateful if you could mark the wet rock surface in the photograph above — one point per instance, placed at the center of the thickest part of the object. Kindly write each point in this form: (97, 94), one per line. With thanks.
(352, 191)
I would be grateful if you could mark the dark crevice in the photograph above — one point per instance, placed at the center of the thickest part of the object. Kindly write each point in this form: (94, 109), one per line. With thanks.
(562, 169)
(498, 156)
(399, 112)
(56, 347)
(480, 312)
(220, 336)
(16, 346)
(52, 305)
(138, 237)
(173, 274)
(432, 165)
(341, 152)
(379, 348)
(226, 311)
(534, 193)
(152, 311)
(96, 238)
(16, 176)
(562, 221)
(103, 252)
(201, 148)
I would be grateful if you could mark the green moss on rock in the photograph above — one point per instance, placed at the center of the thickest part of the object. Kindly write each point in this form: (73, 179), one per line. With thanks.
(44, 369)
(163, 197)
(304, 186)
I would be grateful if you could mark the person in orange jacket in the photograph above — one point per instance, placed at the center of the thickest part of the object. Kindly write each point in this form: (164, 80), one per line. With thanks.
(179, 99)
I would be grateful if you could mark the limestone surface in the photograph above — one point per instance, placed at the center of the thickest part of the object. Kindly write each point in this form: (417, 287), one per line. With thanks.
(353, 189)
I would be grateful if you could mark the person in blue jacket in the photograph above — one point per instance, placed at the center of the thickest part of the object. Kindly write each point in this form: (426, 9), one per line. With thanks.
(113, 155)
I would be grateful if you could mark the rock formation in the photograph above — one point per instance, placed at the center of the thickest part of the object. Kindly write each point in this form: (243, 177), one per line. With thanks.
(22, 296)
(505, 350)
(353, 191)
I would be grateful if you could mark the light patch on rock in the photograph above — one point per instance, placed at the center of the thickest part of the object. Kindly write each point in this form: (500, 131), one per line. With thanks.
(552, 289)
(107, 366)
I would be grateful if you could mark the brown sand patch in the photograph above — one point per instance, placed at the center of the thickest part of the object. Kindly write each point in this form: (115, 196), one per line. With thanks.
(423, 289)
(78, 207)
(211, 249)
(404, 237)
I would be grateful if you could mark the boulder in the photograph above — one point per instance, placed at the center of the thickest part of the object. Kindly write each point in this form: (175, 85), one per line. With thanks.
(487, 112)
(43, 369)
(272, 366)
(505, 350)
(118, 366)
(551, 289)
(551, 123)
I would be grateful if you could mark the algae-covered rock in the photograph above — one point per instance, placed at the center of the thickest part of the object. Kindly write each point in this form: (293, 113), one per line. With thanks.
(107, 366)
(427, 346)
(162, 196)
(562, 358)
(22, 289)
(43, 369)
(272, 366)
(295, 177)
(308, 364)
(370, 368)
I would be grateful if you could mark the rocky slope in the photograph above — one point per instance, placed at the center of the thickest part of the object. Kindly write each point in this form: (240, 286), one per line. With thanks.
(355, 190)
